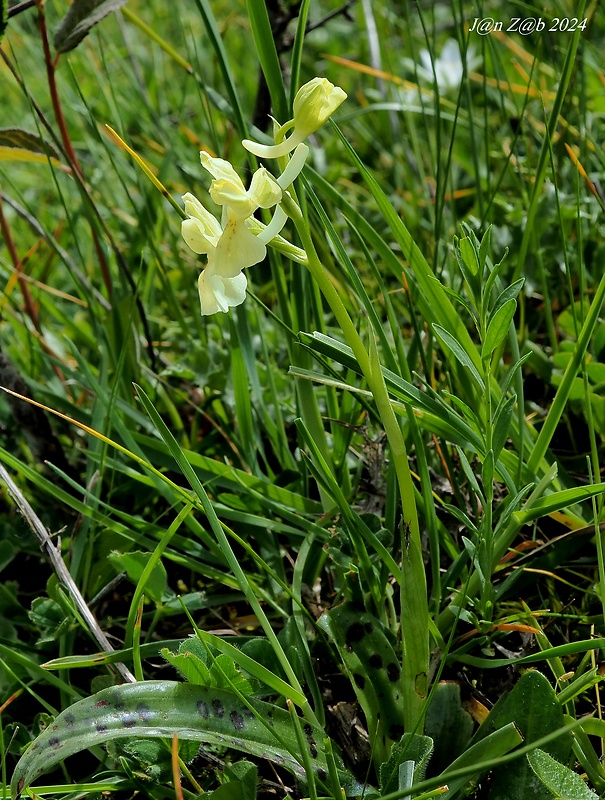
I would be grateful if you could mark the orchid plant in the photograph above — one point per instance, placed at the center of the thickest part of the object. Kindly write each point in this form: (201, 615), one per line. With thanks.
(237, 242)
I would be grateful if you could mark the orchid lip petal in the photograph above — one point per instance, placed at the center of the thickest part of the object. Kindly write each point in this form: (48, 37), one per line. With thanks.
(237, 249)
(218, 293)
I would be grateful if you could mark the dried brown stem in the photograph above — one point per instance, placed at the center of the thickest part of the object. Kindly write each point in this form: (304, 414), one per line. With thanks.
(61, 570)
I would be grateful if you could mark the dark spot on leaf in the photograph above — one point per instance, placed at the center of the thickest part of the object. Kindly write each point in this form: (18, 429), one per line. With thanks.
(355, 633)
(238, 743)
(119, 705)
(101, 727)
(321, 774)
(396, 731)
(20, 785)
(55, 727)
(375, 661)
(313, 749)
(368, 627)
(393, 671)
(359, 680)
(237, 720)
(129, 721)
(308, 730)
(247, 712)
(54, 741)
(202, 708)
(101, 703)
(144, 713)
(69, 720)
(219, 708)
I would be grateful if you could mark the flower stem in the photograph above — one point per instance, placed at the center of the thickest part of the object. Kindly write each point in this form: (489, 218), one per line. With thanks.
(414, 605)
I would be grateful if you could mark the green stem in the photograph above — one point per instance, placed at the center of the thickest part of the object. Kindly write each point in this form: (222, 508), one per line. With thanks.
(414, 603)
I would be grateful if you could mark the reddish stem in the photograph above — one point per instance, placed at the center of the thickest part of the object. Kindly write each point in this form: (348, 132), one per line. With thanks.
(51, 66)
(28, 300)
(30, 306)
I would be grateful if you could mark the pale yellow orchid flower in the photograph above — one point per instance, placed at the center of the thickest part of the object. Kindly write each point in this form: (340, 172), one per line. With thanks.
(238, 247)
(202, 232)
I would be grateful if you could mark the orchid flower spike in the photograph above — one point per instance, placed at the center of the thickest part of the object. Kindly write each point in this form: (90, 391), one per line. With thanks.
(313, 104)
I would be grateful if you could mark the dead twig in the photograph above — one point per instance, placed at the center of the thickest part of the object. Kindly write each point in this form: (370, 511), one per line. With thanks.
(61, 570)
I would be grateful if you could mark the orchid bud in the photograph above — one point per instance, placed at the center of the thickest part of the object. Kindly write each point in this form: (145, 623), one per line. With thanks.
(313, 104)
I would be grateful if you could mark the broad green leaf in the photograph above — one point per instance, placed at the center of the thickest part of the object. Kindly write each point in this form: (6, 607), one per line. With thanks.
(193, 668)
(411, 747)
(242, 783)
(469, 255)
(134, 563)
(81, 17)
(253, 667)
(161, 708)
(533, 707)
(498, 327)
(448, 725)
(497, 744)
(198, 666)
(50, 619)
(560, 780)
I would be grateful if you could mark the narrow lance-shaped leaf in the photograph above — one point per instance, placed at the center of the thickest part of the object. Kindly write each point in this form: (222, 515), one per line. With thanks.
(27, 140)
(458, 350)
(498, 327)
(81, 17)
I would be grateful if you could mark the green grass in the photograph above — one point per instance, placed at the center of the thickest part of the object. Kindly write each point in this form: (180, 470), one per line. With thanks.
(367, 502)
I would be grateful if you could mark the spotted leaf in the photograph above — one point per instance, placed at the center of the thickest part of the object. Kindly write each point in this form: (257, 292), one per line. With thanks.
(161, 708)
